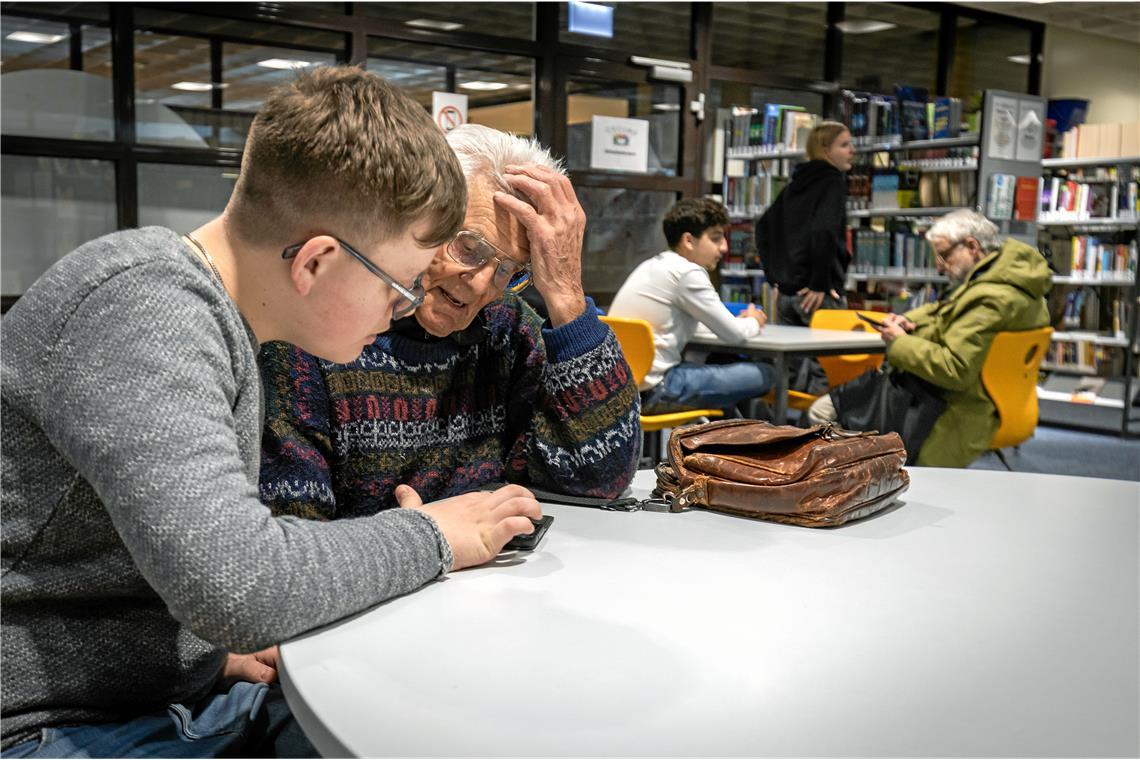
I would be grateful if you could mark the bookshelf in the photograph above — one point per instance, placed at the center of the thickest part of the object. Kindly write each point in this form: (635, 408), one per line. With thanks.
(1090, 229)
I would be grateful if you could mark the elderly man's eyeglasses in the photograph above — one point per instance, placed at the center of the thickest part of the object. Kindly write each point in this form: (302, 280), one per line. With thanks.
(413, 297)
(945, 255)
(470, 250)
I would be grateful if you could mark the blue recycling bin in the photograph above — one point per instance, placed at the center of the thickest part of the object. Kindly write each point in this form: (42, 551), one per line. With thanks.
(1067, 113)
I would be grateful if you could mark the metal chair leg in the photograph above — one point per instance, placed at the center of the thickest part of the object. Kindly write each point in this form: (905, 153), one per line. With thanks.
(1001, 456)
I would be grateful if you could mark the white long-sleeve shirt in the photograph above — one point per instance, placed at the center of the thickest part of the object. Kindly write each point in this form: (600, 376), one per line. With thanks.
(674, 295)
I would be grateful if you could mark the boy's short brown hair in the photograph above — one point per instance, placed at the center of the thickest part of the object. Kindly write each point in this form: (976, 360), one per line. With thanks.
(694, 216)
(341, 151)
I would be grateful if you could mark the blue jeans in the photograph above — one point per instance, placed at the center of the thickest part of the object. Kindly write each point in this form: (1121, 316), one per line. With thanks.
(250, 720)
(707, 386)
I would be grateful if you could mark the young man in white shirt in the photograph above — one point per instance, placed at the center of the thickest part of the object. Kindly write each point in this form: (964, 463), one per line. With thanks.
(672, 291)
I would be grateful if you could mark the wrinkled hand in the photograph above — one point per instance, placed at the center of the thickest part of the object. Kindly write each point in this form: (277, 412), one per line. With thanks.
(810, 300)
(891, 330)
(257, 667)
(751, 312)
(900, 320)
(477, 525)
(555, 227)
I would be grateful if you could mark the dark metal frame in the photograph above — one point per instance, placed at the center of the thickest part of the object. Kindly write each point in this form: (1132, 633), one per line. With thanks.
(554, 61)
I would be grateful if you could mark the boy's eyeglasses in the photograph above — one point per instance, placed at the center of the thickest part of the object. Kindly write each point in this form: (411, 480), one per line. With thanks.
(413, 297)
(472, 250)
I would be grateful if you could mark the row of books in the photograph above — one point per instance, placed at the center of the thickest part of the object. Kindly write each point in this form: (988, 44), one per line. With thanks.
(1085, 314)
(1080, 357)
(1101, 141)
(781, 127)
(890, 298)
(1071, 198)
(750, 196)
(907, 187)
(741, 246)
(1012, 197)
(890, 253)
(1095, 257)
(907, 115)
(757, 290)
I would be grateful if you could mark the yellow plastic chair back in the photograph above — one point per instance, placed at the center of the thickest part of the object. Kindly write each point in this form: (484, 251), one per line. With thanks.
(635, 337)
(1009, 376)
(841, 369)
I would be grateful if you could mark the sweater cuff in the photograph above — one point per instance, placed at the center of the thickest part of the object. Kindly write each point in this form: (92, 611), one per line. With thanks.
(576, 338)
(446, 558)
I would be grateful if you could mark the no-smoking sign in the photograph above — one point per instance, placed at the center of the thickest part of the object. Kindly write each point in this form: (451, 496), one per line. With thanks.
(449, 110)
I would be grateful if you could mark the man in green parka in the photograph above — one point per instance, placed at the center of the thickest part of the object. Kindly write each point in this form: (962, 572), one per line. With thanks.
(996, 286)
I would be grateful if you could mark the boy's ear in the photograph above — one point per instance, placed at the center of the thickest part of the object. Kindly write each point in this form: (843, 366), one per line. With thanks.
(687, 241)
(311, 262)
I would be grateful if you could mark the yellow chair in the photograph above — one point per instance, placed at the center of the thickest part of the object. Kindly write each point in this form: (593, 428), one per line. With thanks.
(635, 337)
(1009, 376)
(839, 369)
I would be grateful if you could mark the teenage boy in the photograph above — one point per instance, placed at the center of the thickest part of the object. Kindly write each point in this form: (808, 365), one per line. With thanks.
(135, 549)
(672, 291)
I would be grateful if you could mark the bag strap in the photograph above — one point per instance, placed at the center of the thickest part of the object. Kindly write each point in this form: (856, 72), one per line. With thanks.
(623, 503)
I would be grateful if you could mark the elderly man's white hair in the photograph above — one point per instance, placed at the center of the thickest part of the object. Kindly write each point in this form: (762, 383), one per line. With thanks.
(484, 153)
(963, 223)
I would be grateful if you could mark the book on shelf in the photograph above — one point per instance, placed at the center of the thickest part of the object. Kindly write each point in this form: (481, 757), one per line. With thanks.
(885, 189)
(999, 197)
(1026, 198)
(913, 118)
(1110, 140)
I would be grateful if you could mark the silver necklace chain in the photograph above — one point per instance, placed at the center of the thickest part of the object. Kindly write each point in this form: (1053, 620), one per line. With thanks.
(206, 255)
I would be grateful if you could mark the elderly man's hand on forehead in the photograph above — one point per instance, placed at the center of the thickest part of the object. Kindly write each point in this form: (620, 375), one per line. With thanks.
(555, 227)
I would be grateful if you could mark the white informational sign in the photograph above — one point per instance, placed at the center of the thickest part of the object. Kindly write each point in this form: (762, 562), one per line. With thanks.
(620, 144)
(1003, 133)
(448, 109)
(1030, 131)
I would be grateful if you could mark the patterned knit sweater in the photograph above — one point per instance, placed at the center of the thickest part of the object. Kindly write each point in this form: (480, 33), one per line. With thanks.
(505, 400)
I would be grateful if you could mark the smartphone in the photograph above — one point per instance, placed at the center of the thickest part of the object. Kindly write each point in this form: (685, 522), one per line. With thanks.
(527, 541)
(878, 325)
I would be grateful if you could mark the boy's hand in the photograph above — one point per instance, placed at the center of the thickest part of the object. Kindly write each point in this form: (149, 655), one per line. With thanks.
(555, 226)
(256, 667)
(477, 525)
(752, 312)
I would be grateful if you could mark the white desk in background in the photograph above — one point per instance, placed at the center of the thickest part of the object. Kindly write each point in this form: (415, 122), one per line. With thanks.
(778, 342)
(994, 614)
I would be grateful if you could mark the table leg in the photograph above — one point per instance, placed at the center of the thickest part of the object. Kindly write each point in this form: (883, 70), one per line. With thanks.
(780, 391)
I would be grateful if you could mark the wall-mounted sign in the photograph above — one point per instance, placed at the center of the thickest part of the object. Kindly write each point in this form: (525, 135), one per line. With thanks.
(448, 109)
(620, 144)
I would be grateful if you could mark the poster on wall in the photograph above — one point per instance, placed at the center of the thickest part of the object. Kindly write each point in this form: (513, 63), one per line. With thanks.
(1030, 130)
(620, 144)
(448, 109)
(1003, 133)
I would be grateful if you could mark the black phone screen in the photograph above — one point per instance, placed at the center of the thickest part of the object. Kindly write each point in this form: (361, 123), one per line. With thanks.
(530, 540)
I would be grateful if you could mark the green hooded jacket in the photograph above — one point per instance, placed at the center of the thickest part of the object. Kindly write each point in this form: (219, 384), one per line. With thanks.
(1003, 292)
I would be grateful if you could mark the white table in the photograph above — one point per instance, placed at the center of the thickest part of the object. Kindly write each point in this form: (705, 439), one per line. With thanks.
(778, 342)
(994, 614)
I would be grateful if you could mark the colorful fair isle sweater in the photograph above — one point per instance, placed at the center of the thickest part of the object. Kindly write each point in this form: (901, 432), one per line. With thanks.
(505, 400)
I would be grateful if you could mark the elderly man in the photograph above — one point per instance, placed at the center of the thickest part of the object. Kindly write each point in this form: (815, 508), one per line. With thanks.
(474, 388)
(996, 286)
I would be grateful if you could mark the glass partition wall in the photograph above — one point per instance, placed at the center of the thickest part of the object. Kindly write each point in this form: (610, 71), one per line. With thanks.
(117, 115)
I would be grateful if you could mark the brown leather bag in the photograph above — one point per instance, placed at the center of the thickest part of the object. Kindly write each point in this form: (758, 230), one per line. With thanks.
(817, 477)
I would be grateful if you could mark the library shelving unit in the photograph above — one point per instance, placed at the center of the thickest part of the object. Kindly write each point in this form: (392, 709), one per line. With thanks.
(1090, 375)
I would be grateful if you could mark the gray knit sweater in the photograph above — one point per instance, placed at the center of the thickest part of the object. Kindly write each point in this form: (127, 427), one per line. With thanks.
(135, 551)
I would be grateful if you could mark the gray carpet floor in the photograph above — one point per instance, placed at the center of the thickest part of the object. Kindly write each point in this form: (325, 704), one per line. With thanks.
(1068, 452)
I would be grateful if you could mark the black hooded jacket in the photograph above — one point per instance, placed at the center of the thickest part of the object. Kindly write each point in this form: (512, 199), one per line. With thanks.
(801, 238)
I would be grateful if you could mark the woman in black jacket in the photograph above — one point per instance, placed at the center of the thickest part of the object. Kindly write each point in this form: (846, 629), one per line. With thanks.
(802, 237)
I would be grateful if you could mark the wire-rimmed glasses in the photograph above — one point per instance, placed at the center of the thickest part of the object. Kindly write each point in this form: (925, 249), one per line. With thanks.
(413, 297)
